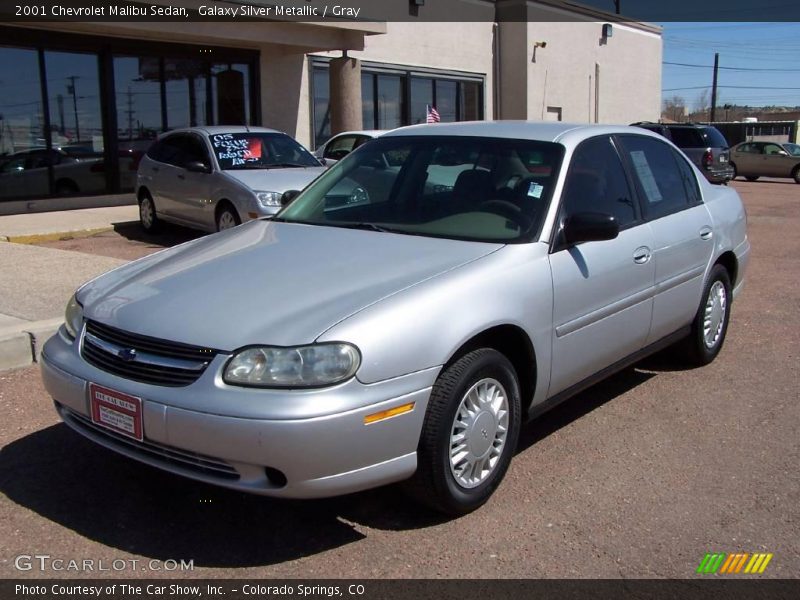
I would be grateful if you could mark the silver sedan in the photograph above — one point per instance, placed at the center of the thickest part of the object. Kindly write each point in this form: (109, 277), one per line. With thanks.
(405, 314)
(214, 178)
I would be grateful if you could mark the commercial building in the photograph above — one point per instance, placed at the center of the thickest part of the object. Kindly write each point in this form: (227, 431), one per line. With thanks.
(101, 91)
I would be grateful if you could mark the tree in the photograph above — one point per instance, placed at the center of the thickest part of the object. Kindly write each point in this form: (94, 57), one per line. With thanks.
(674, 108)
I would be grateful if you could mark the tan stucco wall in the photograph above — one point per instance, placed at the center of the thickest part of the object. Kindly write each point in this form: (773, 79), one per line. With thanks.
(564, 72)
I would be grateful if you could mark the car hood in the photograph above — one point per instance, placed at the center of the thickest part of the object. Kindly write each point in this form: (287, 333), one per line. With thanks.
(276, 180)
(267, 283)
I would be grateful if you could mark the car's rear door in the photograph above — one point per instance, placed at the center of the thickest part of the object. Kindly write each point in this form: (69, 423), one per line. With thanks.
(683, 234)
(602, 302)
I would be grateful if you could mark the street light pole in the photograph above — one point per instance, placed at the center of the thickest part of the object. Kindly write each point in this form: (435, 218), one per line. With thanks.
(714, 88)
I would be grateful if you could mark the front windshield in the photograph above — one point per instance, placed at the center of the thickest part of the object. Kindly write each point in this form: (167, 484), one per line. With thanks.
(259, 150)
(469, 188)
(793, 149)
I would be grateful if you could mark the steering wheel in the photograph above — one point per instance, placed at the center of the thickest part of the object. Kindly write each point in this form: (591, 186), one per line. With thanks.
(509, 210)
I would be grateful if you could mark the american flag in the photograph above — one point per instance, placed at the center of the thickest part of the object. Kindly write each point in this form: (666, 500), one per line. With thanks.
(433, 115)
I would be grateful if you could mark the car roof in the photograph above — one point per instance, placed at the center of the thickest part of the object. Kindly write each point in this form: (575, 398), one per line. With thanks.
(544, 131)
(214, 129)
(369, 132)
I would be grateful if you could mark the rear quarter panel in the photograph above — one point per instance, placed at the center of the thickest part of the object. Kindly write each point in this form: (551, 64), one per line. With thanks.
(729, 219)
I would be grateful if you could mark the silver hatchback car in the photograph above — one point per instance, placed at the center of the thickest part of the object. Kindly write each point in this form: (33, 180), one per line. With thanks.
(405, 314)
(214, 178)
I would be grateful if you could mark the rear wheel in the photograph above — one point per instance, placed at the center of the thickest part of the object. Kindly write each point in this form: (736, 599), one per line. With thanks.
(751, 177)
(796, 174)
(735, 173)
(711, 322)
(469, 435)
(147, 214)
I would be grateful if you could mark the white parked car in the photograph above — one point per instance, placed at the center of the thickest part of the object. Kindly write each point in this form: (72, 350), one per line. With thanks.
(339, 146)
(214, 178)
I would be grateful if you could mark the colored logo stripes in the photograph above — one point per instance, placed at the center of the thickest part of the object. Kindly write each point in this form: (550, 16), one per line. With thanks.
(721, 562)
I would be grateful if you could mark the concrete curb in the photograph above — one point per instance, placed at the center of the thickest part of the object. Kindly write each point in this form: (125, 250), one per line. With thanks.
(21, 346)
(36, 238)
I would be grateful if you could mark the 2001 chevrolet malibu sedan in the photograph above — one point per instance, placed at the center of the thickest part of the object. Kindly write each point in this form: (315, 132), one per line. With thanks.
(405, 313)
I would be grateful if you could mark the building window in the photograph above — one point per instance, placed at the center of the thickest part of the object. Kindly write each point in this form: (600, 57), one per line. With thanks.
(390, 100)
(64, 131)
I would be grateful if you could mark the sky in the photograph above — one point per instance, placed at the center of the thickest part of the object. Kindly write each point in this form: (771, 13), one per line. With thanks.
(756, 60)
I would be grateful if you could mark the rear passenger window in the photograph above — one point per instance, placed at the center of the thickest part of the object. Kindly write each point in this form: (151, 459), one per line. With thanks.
(687, 137)
(665, 182)
(596, 182)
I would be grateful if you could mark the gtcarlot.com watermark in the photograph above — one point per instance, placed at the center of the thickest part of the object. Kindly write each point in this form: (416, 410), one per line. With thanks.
(46, 563)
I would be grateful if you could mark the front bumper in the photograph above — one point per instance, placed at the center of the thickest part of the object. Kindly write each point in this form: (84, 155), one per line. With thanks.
(294, 444)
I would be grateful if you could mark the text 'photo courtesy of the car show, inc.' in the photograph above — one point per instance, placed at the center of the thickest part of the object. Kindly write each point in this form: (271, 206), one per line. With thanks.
(399, 299)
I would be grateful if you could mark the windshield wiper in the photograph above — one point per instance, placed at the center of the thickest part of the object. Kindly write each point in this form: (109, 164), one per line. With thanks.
(284, 165)
(368, 227)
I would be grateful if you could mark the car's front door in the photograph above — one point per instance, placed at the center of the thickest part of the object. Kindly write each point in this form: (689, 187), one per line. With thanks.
(683, 233)
(777, 162)
(602, 291)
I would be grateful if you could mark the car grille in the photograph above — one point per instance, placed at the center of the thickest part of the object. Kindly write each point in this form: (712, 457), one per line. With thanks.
(142, 358)
(150, 451)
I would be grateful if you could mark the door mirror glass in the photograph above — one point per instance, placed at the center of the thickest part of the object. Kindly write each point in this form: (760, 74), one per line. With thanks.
(197, 166)
(589, 227)
(288, 196)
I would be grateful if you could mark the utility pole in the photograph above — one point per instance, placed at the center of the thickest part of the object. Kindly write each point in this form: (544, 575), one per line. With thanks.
(71, 90)
(616, 5)
(714, 89)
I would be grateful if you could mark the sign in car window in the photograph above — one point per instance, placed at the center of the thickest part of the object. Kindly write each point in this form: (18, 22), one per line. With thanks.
(238, 149)
(646, 178)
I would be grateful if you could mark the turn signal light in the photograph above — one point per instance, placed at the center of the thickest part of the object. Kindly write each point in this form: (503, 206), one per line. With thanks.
(389, 413)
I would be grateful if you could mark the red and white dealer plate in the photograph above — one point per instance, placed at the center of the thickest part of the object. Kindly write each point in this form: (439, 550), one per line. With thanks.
(116, 411)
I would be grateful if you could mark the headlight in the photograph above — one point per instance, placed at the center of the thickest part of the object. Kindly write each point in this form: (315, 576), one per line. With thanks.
(303, 366)
(73, 317)
(269, 199)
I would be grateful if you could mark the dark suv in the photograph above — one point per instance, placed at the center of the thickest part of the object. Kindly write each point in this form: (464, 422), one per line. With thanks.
(705, 146)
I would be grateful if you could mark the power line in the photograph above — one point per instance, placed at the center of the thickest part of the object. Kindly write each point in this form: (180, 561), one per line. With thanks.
(666, 62)
(738, 87)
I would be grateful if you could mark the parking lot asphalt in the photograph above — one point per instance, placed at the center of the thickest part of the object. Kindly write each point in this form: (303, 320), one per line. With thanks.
(638, 476)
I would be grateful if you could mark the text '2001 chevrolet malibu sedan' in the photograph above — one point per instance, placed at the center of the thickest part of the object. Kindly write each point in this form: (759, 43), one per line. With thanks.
(404, 314)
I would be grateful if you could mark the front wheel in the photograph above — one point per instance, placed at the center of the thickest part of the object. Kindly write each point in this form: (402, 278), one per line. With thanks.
(711, 322)
(752, 177)
(470, 433)
(735, 172)
(227, 217)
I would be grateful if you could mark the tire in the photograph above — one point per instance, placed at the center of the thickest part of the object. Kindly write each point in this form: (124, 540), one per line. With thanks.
(735, 172)
(148, 218)
(752, 177)
(66, 187)
(451, 485)
(702, 347)
(796, 174)
(227, 217)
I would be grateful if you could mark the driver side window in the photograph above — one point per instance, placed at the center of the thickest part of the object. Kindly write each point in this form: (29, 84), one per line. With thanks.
(596, 183)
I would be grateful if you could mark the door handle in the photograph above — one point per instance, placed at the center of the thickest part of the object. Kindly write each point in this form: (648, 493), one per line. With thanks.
(642, 255)
(706, 233)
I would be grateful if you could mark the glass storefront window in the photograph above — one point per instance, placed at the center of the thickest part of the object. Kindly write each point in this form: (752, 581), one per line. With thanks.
(470, 101)
(446, 100)
(368, 100)
(421, 99)
(390, 114)
(21, 125)
(322, 107)
(230, 96)
(185, 85)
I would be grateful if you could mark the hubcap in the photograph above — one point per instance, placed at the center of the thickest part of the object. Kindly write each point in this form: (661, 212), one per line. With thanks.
(226, 221)
(479, 432)
(146, 213)
(714, 316)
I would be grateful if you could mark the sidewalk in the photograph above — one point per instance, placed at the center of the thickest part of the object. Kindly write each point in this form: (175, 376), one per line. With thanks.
(36, 282)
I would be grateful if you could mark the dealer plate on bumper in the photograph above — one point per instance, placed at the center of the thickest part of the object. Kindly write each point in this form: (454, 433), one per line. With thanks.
(116, 411)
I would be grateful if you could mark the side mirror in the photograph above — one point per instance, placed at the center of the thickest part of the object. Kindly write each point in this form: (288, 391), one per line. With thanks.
(783, 153)
(197, 166)
(323, 161)
(288, 196)
(589, 227)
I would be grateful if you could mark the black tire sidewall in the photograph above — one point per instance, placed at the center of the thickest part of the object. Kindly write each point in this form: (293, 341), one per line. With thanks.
(704, 353)
(483, 363)
(146, 198)
(228, 209)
